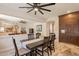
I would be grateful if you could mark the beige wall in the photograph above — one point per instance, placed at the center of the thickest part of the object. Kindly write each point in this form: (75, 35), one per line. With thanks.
(43, 28)
(56, 28)
(33, 25)
(29, 24)
(56, 25)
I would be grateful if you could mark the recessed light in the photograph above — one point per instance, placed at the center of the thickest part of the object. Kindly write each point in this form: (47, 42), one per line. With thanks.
(68, 11)
(70, 15)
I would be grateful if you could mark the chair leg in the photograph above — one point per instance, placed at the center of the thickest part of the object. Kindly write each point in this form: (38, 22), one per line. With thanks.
(42, 52)
(50, 48)
(31, 53)
(15, 54)
(48, 51)
(38, 53)
(53, 47)
(35, 52)
(28, 54)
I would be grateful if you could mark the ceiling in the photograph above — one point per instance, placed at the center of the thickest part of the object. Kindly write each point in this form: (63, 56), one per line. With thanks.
(12, 9)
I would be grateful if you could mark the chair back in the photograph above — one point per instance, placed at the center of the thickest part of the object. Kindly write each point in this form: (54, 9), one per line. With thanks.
(15, 46)
(46, 41)
(30, 36)
(52, 36)
(38, 35)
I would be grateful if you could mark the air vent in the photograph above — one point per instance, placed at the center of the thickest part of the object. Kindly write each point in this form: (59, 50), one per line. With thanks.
(22, 21)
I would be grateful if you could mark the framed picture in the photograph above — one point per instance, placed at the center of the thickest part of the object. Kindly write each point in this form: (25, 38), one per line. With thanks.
(39, 28)
(23, 29)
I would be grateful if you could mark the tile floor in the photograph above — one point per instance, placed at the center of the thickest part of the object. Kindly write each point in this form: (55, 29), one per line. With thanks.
(65, 49)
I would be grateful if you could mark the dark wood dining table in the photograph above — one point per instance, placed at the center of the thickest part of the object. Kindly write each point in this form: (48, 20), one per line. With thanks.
(30, 44)
(33, 44)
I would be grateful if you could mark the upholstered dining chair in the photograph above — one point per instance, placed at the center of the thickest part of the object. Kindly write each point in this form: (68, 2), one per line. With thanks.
(44, 48)
(20, 51)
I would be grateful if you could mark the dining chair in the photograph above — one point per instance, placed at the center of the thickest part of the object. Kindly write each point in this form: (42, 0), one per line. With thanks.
(44, 47)
(38, 35)
(20, 51)
(52, 42)
(30, 36)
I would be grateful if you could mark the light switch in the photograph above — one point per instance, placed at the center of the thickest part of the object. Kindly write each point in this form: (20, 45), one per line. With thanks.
(63, 31)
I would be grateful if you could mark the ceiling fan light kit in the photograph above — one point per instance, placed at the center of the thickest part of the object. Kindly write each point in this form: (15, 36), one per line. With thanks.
(37, 7)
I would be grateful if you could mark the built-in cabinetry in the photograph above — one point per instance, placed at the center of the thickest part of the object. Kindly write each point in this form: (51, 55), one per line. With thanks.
(69, 28)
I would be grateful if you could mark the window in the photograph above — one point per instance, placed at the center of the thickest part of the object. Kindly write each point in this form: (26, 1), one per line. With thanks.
(1, 29)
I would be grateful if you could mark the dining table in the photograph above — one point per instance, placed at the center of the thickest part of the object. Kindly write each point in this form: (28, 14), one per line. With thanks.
(30, 44)
(33, 44)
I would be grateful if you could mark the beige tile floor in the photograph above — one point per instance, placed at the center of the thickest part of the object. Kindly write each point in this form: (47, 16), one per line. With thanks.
(65, 49)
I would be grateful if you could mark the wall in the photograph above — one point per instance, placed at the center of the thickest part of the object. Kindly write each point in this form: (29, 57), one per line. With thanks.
(56, 28)
(33, 24)
(29, 24)
(43, 28)
(55, 19)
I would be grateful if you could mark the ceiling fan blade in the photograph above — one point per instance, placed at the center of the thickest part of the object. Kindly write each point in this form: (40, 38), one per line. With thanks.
(39, 4)
(45, 9)
(30, 4)
(29, 11)
(25, 7)
(35, 12)
(47, 5)
(40, 11)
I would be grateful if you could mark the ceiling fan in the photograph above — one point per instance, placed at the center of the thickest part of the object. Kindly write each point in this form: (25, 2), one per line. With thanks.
(38, 7)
